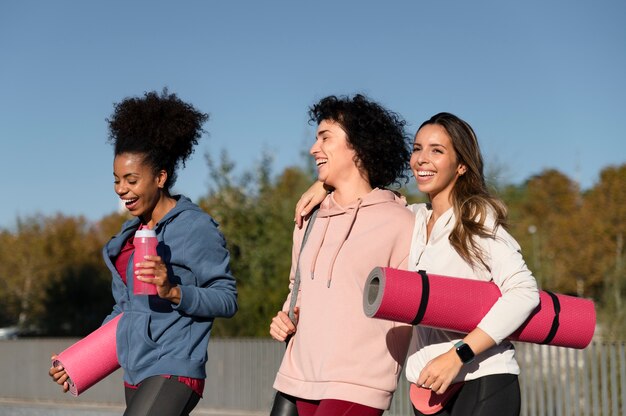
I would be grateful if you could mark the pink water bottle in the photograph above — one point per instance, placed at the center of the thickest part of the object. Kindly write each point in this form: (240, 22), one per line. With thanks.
(145, 245)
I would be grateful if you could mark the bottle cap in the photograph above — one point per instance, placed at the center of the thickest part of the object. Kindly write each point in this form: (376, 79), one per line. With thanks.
(145, 233)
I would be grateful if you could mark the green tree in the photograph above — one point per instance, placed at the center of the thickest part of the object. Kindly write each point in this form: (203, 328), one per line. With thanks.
(544, 219)
(255, 213)
(605, 208)
(24, 268)
(55, 280)
(79, 296)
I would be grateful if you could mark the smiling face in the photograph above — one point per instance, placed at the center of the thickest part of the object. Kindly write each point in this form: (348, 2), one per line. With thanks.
(136, 184)
(434, 163)
(334, 157)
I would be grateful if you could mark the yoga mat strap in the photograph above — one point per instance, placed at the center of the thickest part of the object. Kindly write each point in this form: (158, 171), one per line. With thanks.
(424, 300)
(555, 321)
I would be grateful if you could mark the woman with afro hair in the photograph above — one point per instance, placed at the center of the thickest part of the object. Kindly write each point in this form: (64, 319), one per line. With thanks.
(162, 339)
(338, 361)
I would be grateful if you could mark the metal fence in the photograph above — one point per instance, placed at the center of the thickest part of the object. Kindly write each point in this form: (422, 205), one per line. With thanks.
(554, 381)
(564, 382)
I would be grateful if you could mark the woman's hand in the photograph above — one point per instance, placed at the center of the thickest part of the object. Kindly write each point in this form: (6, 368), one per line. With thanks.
(59, 375)
(154, 265)
(438, 374)
(282, 327)
(309, 200)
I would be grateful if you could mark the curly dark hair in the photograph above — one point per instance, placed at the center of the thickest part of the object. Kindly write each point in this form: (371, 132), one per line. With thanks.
(376, 134)
(161, 127)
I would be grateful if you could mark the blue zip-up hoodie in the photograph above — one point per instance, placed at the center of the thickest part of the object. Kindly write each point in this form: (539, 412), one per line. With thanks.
(156, 336)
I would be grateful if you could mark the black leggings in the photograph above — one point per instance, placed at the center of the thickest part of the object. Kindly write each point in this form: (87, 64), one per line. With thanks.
(498, 394)
(157, 396)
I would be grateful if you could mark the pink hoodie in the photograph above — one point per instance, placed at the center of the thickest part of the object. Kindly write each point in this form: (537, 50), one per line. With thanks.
(338, 352)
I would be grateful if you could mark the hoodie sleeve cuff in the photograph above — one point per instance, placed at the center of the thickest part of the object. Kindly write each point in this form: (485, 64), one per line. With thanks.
(186, 300)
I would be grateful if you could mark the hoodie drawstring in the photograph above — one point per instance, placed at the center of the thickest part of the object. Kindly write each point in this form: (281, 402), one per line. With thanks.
(319, 247)
(343, 240)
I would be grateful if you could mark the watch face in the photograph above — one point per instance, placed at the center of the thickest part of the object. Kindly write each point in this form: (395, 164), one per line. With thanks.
(465, 353)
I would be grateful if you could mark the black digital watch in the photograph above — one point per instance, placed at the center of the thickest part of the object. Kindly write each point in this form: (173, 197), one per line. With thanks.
(464, 352)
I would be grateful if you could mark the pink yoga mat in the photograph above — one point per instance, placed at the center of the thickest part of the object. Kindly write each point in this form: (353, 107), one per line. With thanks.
(459, 304)
(91, 359)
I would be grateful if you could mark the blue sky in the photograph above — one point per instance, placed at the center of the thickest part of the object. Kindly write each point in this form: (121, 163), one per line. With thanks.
(542, 82)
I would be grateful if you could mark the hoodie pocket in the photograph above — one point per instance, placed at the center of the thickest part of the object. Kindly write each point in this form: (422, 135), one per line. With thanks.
(135, 349)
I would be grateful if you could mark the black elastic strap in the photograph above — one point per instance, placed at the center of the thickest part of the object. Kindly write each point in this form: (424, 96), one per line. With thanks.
(424, 300)
(555, 321)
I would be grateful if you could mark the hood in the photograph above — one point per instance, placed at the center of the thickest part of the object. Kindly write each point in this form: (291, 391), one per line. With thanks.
(113, 248)
(330, 208)
(182, 204)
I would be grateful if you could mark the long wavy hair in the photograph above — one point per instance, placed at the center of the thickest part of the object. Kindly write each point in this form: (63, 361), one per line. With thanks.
(471, 199)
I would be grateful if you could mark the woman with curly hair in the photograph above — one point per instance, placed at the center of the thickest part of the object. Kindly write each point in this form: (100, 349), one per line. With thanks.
(461, 232)
(338, 361)
(162, 339)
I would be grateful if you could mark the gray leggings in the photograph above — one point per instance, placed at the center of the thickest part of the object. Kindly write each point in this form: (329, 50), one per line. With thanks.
(157, 396)
(497, 394)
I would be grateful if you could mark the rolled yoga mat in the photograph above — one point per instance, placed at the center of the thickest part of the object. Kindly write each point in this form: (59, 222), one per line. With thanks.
(91, 359)
(458, 304)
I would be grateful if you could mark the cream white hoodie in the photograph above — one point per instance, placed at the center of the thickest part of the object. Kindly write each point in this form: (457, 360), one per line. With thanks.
(338, 352)
(508, 271)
